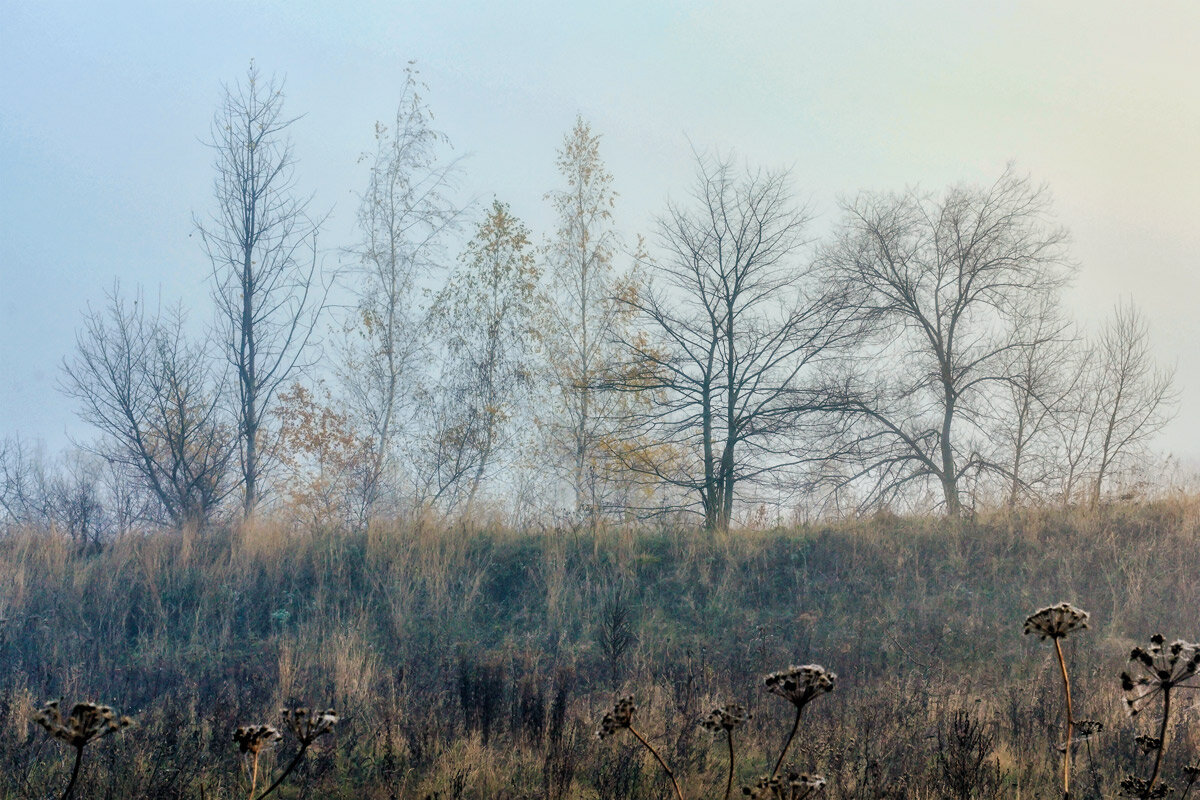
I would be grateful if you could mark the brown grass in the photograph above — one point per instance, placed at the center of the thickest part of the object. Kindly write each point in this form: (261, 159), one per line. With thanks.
(197, 634)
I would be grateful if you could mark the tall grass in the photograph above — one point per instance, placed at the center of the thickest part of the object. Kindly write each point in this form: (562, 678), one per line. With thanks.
(195, 635)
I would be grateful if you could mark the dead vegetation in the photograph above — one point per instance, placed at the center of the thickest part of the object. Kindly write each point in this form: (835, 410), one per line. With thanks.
(471, 663)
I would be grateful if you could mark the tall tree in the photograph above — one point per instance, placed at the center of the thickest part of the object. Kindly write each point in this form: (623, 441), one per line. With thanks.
(584, 318)
(945, 282)
(738, 332)
(487, 313)
(261, 243)
(403, 217)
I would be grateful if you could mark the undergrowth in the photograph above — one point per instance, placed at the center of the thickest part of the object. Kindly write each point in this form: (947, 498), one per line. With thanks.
(475, 662)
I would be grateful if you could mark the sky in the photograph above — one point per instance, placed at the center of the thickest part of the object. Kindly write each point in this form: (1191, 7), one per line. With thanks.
(105, 109)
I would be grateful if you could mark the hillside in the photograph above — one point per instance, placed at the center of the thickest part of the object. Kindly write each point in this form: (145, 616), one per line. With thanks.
(476, 663)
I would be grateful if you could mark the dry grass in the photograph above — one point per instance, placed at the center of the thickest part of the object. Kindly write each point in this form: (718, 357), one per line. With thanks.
(195, 635)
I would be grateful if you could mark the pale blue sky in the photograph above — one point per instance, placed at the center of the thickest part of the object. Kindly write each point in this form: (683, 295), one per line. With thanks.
(104, 106)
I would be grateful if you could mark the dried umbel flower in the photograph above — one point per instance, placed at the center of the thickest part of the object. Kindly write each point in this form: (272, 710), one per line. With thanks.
(800, 684)
(1147, 744)
(306, 724)
(724, 718)
(619, 718)
(793, 786)
(802, 785)
(253, 739)
(1085, 728)
(1158, 668)
(86, 722)
(1133, 786)
(1055, 622)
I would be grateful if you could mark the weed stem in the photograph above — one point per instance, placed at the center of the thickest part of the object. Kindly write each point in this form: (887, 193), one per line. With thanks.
(1062, 665)
(788, 743)
(661, 763)
(729, 782)
(1162, 739)
(74, 773)
(285, 773)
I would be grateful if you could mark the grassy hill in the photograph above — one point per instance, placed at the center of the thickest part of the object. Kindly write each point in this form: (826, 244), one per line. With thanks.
(475, 663)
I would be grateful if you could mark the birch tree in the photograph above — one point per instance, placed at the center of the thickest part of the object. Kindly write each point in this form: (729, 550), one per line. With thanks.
(404, 216)
(1132, 396)
(487, 314)
(584, 319)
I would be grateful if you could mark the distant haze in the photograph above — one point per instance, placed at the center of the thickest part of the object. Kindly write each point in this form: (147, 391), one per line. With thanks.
(104, 109)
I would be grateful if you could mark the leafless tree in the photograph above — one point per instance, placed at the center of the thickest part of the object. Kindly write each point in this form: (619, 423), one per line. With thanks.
(403, 218)
(947, 282)
(1041, 378)
(261, 243)
(738, 330)
(156, 402)
(65, 496)
(19, 480)
(1132, 397)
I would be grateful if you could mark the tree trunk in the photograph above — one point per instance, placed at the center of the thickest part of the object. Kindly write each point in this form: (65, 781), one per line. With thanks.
(949, 474)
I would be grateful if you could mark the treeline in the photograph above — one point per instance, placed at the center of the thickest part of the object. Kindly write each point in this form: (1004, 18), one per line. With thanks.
(916, 357)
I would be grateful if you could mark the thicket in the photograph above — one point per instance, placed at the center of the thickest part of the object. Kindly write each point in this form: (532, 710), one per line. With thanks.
(476, 663)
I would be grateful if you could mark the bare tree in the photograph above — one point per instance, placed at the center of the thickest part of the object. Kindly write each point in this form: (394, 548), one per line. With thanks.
(261, 243)
(738, 331)
(946, 282)
(156, 402)
(20, 476)
(1041, 378)
(1133, 397)
(403, 217)
(66, 496)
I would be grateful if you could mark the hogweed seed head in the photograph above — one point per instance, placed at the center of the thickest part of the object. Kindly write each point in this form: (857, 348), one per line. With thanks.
(728, 717)
(793, 786)
(1147, 744)
(253, 739)
(306, 724)
(800, 684)
(619, 718)
(1133, 786)
(1159, 667)
(1055, 622)
(86, 722)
